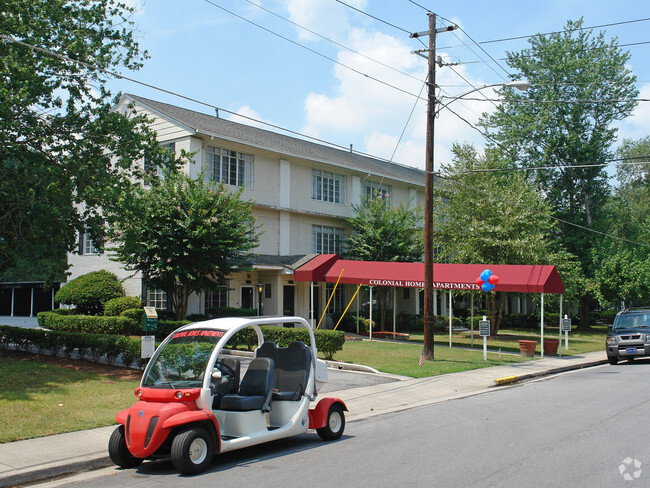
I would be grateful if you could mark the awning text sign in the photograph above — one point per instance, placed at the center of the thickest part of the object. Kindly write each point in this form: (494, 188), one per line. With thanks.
(420, 284)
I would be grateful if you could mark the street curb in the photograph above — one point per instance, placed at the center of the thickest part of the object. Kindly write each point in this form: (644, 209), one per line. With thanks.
(538, 374)
(56, 469)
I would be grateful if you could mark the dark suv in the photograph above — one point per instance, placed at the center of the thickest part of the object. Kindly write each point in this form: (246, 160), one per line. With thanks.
(629, 337)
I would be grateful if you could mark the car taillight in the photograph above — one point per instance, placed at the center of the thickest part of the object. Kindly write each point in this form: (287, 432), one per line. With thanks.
(138, 392)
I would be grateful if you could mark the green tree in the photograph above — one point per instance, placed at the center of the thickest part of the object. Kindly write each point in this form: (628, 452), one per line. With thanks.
(88, 293)
(580, 86)
(623, 265)
(490, 214)
(184, 235)
(383, 232)
(64, 154)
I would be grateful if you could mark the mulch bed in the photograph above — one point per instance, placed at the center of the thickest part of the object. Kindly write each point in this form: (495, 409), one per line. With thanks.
(82, 365)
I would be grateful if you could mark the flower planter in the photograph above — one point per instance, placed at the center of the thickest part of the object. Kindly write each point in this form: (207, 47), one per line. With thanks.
(527, 348)
(550, 346)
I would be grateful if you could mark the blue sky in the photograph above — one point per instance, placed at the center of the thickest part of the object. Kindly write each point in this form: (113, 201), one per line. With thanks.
(365, 98)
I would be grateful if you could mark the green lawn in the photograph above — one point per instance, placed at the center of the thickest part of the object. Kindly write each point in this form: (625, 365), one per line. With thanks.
(39, 398)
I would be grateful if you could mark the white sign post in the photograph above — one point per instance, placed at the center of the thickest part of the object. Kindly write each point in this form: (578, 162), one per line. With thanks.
(148, 346)
(484, 330)
(566, 327)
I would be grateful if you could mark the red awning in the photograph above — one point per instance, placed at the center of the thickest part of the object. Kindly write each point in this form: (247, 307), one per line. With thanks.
(512, 278)
(315, 269)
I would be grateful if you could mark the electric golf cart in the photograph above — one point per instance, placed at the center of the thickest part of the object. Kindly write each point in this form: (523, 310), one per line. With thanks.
(194, 402)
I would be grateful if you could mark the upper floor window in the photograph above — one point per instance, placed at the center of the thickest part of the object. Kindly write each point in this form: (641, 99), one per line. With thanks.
(153, 169)
(371, 189)
(326, 240)
(230, 167)
(327, 187)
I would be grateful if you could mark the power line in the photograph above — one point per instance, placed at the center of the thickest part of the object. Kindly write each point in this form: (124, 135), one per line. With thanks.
(184, 97)
(333, 41)
(608, 162)
(309, 49)
(549, 216)
(373, 17)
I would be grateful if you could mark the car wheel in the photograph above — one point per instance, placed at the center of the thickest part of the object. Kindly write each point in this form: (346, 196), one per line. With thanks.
(192, 450)
(335, 423)
(118, 451)
(613, 360)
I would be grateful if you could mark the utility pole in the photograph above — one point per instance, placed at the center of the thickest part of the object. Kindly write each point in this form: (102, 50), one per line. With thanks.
(428, 194)
(429, 183)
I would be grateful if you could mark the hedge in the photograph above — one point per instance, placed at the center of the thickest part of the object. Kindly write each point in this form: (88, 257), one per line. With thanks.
(113, 346)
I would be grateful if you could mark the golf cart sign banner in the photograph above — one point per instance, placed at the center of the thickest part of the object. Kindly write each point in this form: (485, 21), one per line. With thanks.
(420, 284)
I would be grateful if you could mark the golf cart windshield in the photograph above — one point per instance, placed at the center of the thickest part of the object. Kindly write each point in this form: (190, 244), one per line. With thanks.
(632, 320)
(182, 361)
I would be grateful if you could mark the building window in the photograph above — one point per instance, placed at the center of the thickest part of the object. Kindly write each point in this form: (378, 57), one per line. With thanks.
(217, 297)
(267, 290)
(150, 168)
(157, 299)
(327, 187)
(88, 246)
(371, 189)
(406, 294)
(326, 240)
(338, 303)
(230, 167)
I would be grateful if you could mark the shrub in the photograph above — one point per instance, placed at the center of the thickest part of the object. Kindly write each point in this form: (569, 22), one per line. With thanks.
(89, 292)
(92, 324)
(115, 306)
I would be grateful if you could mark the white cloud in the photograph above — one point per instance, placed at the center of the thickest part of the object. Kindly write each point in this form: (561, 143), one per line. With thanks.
(327, 17)
(638, 124)
(249, 117)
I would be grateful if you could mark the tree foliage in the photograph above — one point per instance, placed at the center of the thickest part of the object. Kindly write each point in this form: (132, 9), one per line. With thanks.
(623, 271)
(382, 232)
(489, 214)
(184, 235)
(64, 154)
(88, 293)
(580, 86)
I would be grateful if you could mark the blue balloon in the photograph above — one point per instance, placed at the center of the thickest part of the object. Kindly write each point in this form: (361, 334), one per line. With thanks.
(487, 286)
(485, 275)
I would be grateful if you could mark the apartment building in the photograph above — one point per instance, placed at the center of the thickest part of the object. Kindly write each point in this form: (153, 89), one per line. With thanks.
(302, 191)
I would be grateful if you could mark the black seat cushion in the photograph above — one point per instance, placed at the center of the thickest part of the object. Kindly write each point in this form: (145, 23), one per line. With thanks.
(255, 388)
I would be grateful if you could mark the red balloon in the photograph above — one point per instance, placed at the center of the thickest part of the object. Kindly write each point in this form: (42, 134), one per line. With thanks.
(479, 281)
(494, 279)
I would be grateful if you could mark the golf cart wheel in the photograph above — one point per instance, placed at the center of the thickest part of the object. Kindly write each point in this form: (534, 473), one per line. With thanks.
(613, 360)
(335, 424)
(118, 451)
(192, 450)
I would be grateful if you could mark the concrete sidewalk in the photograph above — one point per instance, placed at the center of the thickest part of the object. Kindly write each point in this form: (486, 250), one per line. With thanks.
(46, 457)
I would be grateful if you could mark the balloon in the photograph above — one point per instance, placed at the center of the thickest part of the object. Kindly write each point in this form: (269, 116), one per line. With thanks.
(487, 286)
(494, 279)
(485, 275)
(479, 281)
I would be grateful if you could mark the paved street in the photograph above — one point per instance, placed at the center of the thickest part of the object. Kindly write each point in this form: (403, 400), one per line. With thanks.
(574, 429)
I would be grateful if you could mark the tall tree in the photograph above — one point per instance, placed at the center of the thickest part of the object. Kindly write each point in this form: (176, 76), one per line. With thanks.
(64, 154)
(580, 86)
(184, 235)
(382, 232)
(489, 213)
(623, 265)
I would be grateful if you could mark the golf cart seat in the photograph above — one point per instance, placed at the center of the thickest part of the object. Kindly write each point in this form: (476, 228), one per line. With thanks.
(291, 366)
(228, 384)
(255, 388)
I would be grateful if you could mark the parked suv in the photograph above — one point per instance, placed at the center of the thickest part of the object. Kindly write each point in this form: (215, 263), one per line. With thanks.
(629, 337)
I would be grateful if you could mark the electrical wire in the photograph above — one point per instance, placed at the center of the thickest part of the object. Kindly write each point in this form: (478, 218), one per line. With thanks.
(373, 17)
(365, 75)
(333, 41)
(608, 162)
(549, 216)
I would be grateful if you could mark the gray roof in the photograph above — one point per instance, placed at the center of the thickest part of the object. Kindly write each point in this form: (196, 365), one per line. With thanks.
(283, 144)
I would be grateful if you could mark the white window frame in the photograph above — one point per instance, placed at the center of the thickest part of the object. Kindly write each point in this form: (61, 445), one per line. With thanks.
(326, 239)
(157, 299)
(371, 189)
(338, 302)
(327, 187)
(217, 297)
(230, 167)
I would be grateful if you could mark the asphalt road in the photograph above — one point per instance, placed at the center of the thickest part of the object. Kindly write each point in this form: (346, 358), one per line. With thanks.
(581, 429)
